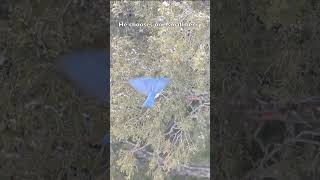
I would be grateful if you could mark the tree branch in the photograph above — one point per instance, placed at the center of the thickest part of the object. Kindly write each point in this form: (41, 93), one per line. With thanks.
(182, 170)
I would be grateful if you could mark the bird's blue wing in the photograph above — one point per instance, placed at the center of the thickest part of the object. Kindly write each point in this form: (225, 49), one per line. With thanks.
(149, 87)
(160, 84)
(143, 85)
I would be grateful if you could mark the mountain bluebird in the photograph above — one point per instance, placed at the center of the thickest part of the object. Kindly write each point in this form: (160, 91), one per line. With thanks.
(150, 87)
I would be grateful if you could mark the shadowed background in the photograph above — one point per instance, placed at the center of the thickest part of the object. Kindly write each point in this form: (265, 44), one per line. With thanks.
(49, 130)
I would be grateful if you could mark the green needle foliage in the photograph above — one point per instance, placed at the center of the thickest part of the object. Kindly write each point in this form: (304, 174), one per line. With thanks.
(176, 129)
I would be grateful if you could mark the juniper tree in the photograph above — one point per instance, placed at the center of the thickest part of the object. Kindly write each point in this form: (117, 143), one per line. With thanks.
(175, 131)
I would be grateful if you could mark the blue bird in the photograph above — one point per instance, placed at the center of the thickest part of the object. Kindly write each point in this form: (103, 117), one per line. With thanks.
(150, 87)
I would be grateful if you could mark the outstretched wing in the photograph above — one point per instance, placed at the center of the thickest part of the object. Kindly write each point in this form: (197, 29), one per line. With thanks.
(160, 84)
(143, 85)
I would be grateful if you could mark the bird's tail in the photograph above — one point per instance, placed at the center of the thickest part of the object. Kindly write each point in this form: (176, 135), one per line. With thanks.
(150, 100)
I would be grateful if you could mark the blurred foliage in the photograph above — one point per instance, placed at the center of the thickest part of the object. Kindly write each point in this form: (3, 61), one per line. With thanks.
(180, 53)
(283, 12)
(47, 132)
(267, 54)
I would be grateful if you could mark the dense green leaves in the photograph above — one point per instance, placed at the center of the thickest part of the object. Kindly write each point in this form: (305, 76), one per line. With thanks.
(177, 127)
